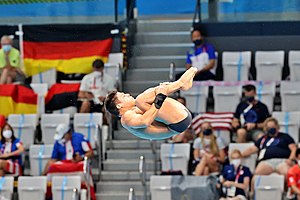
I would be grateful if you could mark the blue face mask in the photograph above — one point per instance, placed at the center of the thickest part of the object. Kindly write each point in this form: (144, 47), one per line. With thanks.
(6, 47)
(250, 98)
(207, 131)
(271, 131)
(197, 42)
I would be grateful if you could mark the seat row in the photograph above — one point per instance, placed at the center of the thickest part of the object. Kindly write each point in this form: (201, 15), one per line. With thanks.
(227, 95)
(236, 65)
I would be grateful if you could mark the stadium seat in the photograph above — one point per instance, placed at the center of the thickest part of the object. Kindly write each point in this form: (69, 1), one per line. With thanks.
(196, 98)
(49, 123)
(294, 64)
(70, 110)
(226, 98)
(160, 187)
(38, 157)
(7, 187)
(248, 162)
(175, 157)
(41, 90)
(266, 93)
(63, 186)
(24, 126)
(114, 68)
(48, 77)
(116, 58)
(32, 187)
(269, 61)
(269, 187)
(290, 96)
(289, 123)
(236, 65)
(86, 123)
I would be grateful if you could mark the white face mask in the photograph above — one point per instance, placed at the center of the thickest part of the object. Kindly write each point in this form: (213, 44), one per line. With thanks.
(7, 134)
(207, 141)
(236, 162)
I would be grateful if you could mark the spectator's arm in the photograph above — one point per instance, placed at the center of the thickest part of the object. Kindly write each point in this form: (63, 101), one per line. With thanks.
(235, 123)
(260, 125)
(46, 169)
(221, 157)
(293, 149)
(196, 154)
(295, 189)
(243, 185)
(187, 66)
(17, 152)
(249, 151)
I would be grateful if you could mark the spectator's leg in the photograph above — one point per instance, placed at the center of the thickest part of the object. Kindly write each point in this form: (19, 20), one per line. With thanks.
(241, 135)
(201, 166)
(262, 168)
(283, 168)
(85, 107)
(50, 162)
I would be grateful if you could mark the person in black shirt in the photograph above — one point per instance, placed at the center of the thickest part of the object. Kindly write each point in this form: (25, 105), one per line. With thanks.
(249, 117)
(276, 151)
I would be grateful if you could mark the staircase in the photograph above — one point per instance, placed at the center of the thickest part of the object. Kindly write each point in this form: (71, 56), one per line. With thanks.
(157, 44)
(121, 168)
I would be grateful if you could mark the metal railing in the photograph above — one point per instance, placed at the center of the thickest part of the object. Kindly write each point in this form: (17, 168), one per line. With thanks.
(131, 195)
(87, 176)
(143, 175)
(172, 72)
(75, 194)
(197, 12)
(153, 149)
(98, 142)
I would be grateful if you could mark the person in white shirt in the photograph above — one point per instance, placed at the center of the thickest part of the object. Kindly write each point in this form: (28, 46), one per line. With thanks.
(94, 87)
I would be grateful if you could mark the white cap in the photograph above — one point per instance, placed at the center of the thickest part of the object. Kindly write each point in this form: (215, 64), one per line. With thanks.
(61, 130)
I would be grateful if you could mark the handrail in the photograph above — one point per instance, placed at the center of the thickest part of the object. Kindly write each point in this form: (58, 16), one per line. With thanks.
(143, 175)
(75, 194)
(172, 72)
(131, 195)
(153, 148)
(197, 11)
(86, 172)
(110, 129)
(98, 142)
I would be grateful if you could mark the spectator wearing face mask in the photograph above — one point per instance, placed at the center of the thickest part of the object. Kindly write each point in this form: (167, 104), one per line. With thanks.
(202, 56)
(235, 178)
(68, 146)
(11, 149)
(208, 151)
(249, 117)
(276, 151)
(9, 62)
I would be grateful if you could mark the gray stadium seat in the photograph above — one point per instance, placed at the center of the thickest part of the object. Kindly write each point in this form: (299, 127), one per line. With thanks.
(290, 96)
(269, 187)
(32, 187)
(48, 77)
(38, 157)
(294, 64)
(226, 97)
(63, 186)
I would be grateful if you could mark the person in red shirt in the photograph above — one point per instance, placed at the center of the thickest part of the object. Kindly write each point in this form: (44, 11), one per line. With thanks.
(294, 177)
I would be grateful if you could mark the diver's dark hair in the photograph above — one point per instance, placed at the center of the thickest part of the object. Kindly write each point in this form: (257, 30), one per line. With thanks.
(110, 104)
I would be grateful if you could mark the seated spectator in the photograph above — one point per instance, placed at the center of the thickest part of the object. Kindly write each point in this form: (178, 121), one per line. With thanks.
(11, 152)
(208, 151)
(68, 146)
(276, 151)
(9, 62)
(94, 88)
(249, 117)
(293, 178)
(235, 178)
(201, 56)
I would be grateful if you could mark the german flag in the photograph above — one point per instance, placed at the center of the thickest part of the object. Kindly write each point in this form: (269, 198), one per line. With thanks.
(68, 48)
(17, 99)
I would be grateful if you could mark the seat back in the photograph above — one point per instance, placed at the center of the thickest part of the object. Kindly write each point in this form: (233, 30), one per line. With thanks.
(175, 157)
(38, 157)
(236, 65)
(160, 187)
(49, 123)
(86, 123)
(266, 93)
(34, 187)
(196, 98)
(63, 186)
(294, 64)
(24, 126)
(290, 96)
(269, 61)
(48, 77)
(226, 98)
(269, 187)
(114, 70)
(70, 110)
(289, 123)
(41, 90)
(249, 161)
(7, 186)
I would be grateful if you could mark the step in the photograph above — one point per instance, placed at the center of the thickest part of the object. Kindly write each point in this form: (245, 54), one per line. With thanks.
(161, 49)
(120, 186)
(120, 195)
(123, 175)
(132, 144)
(140, 86)
(127, 165)
(131, 154)
(148, 74)
(163, 37)
(157, 61)
(164, 25)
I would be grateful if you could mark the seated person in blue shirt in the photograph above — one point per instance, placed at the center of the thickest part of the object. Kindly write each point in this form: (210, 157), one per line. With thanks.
(69, 146)
(235, 178)
(202, 56)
